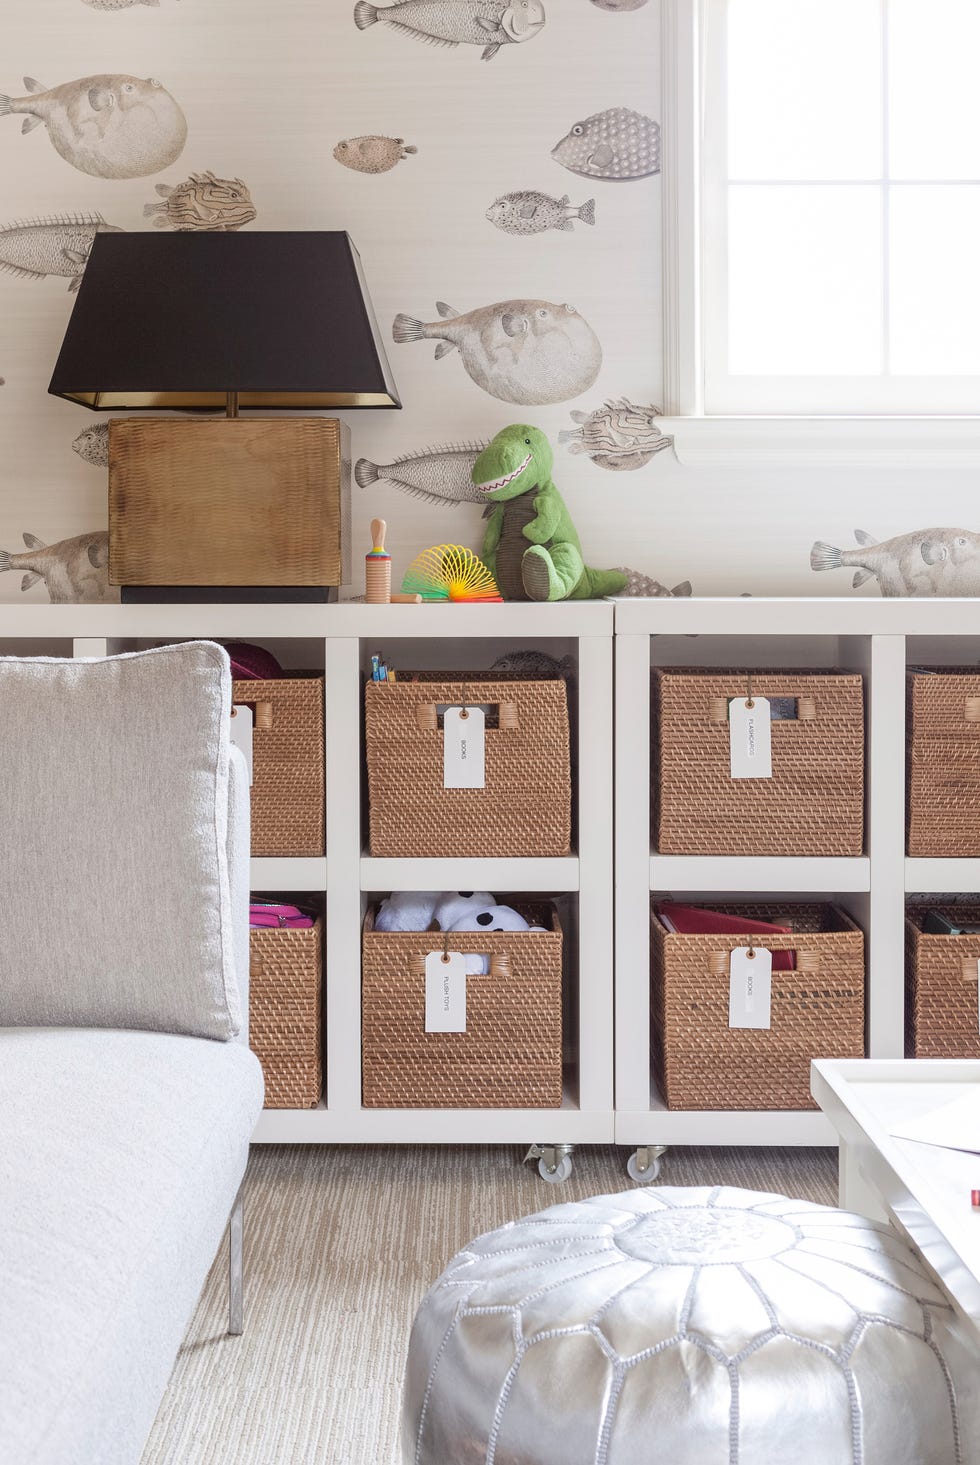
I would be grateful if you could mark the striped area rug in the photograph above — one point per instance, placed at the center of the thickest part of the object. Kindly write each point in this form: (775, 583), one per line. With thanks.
(340, 1246)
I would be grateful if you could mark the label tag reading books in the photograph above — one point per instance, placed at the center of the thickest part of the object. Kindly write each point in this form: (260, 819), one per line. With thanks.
(241, 733)
(464, 739)
(750, 731)
(750, 988)
(445, 992)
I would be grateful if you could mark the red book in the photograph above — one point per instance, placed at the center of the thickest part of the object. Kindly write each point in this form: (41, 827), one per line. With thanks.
(692, 920)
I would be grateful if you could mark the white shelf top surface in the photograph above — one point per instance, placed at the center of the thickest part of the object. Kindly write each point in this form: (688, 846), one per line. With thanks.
(569, 618)
(798, 616)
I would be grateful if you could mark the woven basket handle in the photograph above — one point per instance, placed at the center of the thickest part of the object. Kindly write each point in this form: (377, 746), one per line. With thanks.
(427, 715)
(971, 710)
(263, 716)
(968, 970)
(806, 710)
(806, 960)
(499, 964)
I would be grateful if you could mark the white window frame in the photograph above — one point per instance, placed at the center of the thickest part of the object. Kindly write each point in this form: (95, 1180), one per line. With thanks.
(883, 440)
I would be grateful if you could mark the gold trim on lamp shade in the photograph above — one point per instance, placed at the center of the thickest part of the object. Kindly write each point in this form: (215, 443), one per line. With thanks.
(205, 401)
(227, 501)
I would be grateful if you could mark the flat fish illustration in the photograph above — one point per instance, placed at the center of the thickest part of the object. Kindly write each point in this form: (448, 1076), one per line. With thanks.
(529, 212)
(58, 245)
(441, 475)
(487, 23)
(110, 126)
(647, 588)
(92, 444)
(534, 664)
(602, 4)
(531, 352)
(924, 562)
(619, 436)
(372, 154)
(74, 571)
(202, 204)
(617, 146)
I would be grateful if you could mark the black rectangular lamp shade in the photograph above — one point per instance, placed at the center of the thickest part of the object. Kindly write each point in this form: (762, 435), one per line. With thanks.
(180, 320)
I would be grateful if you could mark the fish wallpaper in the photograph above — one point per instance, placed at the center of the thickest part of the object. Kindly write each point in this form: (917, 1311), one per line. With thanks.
(501, 157)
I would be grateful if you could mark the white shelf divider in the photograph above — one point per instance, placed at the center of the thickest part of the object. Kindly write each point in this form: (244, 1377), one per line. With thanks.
(954, 877)
(735, 872)
(306, 874)
(470, 874)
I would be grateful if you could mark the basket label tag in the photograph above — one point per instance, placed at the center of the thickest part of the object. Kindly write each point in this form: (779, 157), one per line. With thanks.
(445, 992)
(750, 988)
(750, 733)
(241, 733)
(464, 742)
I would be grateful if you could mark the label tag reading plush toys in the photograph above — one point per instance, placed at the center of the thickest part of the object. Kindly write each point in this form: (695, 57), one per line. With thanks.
(241, 733)
(464, 740)
(750, 730)
(750, 988)
(445, 992)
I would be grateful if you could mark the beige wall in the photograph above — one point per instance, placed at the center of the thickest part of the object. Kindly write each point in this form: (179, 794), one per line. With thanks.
(268, 90)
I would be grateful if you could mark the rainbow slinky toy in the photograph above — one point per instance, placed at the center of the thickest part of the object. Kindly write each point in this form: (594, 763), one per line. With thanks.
(450, 572)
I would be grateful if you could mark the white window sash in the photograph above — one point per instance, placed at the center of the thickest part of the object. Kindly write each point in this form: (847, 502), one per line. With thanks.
(695, 187)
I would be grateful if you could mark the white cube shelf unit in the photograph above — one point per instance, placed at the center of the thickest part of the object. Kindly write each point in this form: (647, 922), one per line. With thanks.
(878, 638)
(341, 639)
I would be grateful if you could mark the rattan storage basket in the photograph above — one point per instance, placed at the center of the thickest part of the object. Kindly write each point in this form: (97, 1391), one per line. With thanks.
(284, 1007)
(525, 807)
(942, 980)
(511, 1053)
(287, 757)
(814, 802)
(943, 732)
(699, 1062)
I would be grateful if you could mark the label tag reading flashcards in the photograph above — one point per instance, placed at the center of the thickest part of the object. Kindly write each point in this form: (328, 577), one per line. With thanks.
(464, 741)
(241, 733)
(445, 992)
(750, 988)
(750, 731)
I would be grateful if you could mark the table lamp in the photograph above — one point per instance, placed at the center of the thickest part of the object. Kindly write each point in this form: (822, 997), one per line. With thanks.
(226, 508)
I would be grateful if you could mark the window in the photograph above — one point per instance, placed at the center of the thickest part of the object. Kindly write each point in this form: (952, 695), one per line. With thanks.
(828, 199)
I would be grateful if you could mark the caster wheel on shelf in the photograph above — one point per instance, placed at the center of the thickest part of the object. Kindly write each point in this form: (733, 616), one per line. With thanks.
(644, 1164)
(560, 1172)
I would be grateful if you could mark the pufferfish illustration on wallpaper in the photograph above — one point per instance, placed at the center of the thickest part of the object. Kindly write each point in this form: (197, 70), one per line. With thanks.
(487, 23)
(531, 352)
(74, 571)
(110, 126)
(925, 562)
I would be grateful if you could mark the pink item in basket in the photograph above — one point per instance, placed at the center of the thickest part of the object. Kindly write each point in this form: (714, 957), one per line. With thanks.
(283, 917)
(252, 663)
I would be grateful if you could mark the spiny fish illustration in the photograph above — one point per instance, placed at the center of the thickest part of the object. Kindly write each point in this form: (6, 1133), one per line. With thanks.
(55, 246)
(110, 126)
(92, 444)
(438, 475)
(487, 23)
(74, 571)
(372, 154)
(202, 203)
(925, 562)
(617, 145)
(619, 435)
(530, 352)
(643, 586)
(529, 212)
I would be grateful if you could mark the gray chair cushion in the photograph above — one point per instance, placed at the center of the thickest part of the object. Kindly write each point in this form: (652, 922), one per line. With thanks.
(114, 893)
(120, 1158)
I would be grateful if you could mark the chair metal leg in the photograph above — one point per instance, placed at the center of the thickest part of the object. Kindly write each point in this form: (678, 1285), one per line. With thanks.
(236, 1293)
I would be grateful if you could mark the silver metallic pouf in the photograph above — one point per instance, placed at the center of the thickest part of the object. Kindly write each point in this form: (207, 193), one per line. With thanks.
(690, 1327)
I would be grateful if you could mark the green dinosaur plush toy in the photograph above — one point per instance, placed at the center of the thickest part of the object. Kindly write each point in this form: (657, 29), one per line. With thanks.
(531, 544)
